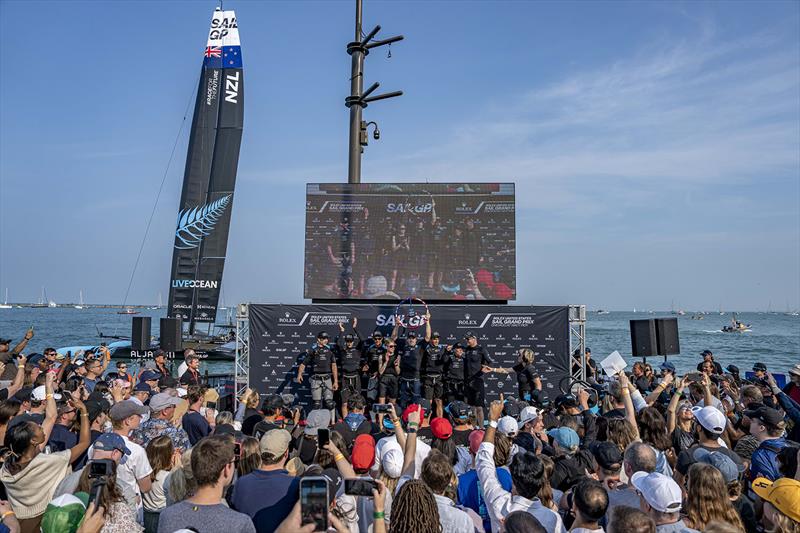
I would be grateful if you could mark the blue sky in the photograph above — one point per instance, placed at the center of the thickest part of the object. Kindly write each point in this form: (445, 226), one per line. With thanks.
(655, 146)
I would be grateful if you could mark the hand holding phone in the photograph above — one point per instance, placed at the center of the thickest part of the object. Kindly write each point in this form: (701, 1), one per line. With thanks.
(381, 408)
(323, 437)
(362, 486)
(314, 501)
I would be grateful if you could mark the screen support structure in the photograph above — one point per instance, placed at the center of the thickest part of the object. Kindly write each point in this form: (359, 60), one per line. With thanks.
(577, 340)
(242, 361)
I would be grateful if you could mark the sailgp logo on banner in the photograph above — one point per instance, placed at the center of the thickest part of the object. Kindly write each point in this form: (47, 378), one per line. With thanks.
(198, 222)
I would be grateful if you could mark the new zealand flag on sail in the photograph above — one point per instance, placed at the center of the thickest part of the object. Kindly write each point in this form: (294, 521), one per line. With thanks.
(223, 57)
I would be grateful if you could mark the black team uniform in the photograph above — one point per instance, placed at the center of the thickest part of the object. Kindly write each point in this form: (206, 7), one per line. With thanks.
(436, 358)
(349, 362)
(388, 386)
(374, 355)
(526, 373)
(455, 376)
(410, 365)
(474, 359)
(318, 362)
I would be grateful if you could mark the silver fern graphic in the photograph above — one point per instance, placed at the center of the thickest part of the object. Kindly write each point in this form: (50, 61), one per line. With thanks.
(198, 222)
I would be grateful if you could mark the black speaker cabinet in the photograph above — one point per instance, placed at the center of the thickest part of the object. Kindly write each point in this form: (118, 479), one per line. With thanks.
(643, 338)
(140, 334)
(171, 334)
(667, 336)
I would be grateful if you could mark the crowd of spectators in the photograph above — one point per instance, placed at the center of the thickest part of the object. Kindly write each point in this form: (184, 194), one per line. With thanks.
(89, 448)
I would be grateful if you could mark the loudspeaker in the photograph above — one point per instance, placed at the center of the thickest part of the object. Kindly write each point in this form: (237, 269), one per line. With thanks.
(140, 333)
(643, 338)
(667, 336)
(171, 334)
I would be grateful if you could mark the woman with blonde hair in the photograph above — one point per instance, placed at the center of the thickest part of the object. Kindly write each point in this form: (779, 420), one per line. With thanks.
(250, 457)
(705, 502)
(781, 504)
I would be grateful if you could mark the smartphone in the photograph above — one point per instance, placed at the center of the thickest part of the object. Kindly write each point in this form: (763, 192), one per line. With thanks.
(237, 450)
(323, 437)
(314, 502)
(381, 408)
(96, 493)
(361, 486)
(211, 405)
(695, 376)
(100, 468)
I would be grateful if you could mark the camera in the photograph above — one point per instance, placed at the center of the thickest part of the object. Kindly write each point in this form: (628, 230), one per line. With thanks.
(100, 468)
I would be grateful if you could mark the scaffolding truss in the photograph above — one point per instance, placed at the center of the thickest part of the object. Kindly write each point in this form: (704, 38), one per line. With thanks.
(242, 362)
(577, 341)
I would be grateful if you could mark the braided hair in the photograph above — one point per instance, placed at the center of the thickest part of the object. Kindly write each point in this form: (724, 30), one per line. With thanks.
(414, 509)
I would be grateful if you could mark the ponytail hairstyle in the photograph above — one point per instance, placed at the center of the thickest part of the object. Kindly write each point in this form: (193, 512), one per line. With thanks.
(18, 441)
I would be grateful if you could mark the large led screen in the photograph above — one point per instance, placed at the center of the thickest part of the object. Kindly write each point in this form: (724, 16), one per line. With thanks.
(391, 241)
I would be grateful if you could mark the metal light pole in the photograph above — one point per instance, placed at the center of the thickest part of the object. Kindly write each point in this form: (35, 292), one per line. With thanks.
(358, 99)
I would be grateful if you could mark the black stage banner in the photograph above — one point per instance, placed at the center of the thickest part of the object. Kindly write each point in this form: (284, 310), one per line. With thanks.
(279, 335)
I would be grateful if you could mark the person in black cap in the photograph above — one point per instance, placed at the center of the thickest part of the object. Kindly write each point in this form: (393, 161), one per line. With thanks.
(374, 355)
(477, 362)
(433, 367)
(767, 425)
(324, 381)
(410, 354)
(708, 356)
(760, 371)
(7, 356)
(349, 360)
(454, 373)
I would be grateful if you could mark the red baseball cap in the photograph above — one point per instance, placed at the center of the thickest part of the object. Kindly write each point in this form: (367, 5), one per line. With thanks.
(441, 428)
(485, 277)
(363, 456)
(410, 409)
(475, 439)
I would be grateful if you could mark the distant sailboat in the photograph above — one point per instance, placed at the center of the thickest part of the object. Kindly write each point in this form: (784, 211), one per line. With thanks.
(41, 300)
(5, 305)
(160, 305)
(80, 304)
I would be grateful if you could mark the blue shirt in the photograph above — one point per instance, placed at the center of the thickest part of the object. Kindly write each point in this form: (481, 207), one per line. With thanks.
(61, 438)
(470, 493)
(266, 496)
(196, 426)
(89, 384)
(764, 462)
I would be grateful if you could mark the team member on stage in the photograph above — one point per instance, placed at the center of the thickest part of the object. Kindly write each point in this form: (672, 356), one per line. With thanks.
(410, 354)
(454, 373)
(476, 363)
(528, 379)
(433, 367)
(388, 372)
(374, 356)
(349, 361)
(322, 363)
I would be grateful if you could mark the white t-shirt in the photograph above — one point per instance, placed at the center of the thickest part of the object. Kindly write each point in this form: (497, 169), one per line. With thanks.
(182, 368)
(136, 467)
(387, 443)
(156, 498)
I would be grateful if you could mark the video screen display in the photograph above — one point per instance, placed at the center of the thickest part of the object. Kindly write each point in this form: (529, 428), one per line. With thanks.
(391, 241)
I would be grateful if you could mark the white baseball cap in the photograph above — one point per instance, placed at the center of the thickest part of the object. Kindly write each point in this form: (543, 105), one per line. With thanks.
(660, 491)
(39, 394)
(507, 426)
(710, 418)
(392, 462)
(528, 414)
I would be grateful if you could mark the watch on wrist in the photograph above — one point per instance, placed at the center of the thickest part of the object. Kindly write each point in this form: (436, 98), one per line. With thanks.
(493, 424)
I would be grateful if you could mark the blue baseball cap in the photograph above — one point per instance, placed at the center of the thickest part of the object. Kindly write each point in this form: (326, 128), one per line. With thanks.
(150, 375)
(666, 365)
(108, 442)
(565, 437)
(142, 387)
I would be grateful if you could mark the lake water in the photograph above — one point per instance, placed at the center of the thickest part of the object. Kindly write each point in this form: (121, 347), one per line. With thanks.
(774, 339)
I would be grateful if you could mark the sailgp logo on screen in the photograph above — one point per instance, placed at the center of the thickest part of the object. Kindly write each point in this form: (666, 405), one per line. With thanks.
(194, 223)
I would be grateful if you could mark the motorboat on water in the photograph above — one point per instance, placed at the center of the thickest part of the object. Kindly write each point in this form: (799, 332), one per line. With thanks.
(128, 311)
(736, 326)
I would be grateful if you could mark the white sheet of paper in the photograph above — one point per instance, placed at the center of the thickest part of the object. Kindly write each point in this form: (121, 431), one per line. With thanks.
(613, 363)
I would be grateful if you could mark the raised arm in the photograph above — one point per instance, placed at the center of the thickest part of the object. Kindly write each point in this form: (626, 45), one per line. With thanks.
(395, 331)
(428, 326)
(708, 399)
(50, 410)
(672, 408)
(410, 448)
(630, 412)
(24, 342)
(661, 387)
(398, 427)
(19, 379)
(344, 466)
(85, 436)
